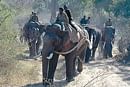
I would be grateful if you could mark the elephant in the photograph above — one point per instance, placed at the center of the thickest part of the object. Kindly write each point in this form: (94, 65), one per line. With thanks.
(32, 32)
(94, 35)
(57, 42)
(109, 35)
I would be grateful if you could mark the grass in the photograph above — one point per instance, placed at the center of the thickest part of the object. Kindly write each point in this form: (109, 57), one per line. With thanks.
(12, 70)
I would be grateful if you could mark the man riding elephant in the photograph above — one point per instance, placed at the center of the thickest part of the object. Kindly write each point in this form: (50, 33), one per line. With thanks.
(69, 14)
(63, 20)
(85, 21)
(108, 23)
(34, 17)
(108, 35)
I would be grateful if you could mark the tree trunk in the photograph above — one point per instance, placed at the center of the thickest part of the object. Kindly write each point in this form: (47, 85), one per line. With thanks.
(53, 10)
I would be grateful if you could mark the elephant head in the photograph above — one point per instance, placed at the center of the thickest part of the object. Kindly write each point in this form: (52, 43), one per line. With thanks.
(51, 42)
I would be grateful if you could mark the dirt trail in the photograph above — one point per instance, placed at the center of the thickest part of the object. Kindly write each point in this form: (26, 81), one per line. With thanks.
(100, 73)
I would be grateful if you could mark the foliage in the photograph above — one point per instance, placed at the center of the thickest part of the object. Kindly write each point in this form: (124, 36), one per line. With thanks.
(122, 8)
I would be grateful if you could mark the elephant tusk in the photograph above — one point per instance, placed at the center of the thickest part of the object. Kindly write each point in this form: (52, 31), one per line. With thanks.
(50, 56)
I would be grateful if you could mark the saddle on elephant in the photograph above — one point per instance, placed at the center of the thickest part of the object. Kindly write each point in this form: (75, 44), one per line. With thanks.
(70, 37)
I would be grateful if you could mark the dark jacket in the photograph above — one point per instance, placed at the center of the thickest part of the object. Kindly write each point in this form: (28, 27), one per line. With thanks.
(83, 21)
(34, 18)
(68, 12)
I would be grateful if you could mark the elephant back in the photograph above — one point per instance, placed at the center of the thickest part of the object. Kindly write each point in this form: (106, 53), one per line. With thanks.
(31, 31)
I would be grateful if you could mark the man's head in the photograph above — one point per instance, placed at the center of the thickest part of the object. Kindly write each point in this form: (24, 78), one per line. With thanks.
(84, 16)
(65, 7)
(61, 10)
(89, 17)
(34, 14)
(109, 19)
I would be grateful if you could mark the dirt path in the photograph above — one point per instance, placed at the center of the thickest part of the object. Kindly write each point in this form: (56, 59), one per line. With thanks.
(101, 73)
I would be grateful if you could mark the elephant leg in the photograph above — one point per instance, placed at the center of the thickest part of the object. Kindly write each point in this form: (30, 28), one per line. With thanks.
(53, 65)
(39, 41)
(30, 49)
(34, 48)
(81, 60)
(48, 69)
(74, 67)
(95, 44)
(93, 53)
(69, 58)
(88, 55)
(101, 45)
(105, 50)
(110, 50)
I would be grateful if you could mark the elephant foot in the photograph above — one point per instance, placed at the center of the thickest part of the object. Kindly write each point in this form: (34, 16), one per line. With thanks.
(38, 53)
(69, 79)
(47, 82)
(92, 59)
(86, 61)
(110, 56)
(31, 57)
(80, 69)
(105, 57)
(76, 73)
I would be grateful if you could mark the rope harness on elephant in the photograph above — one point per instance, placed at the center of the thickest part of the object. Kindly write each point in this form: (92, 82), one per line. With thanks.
(74, 48)
(79, 44)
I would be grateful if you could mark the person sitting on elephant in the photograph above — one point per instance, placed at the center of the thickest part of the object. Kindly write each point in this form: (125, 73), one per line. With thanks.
(88, 20)
(108, 23)
(63, 20)
(85, 21)
(68, 12)
(33, 21)
(34, 17)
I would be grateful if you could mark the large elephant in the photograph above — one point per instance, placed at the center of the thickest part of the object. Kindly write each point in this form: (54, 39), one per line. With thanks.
(32, 32)
(94, 35)
(57, 42)
(109, 35)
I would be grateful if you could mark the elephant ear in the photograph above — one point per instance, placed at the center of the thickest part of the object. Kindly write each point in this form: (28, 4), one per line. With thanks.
(49, 28)
(42, 28)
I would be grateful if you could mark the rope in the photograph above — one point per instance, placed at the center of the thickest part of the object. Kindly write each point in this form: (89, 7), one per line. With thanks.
(71, 50)
(84, 39)
(80, 60)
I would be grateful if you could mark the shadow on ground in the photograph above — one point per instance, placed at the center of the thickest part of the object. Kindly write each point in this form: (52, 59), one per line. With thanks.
(124, 72)
(61, 83)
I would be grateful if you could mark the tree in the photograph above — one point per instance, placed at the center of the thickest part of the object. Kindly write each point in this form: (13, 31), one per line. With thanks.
(53, 10)
(122, 8)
